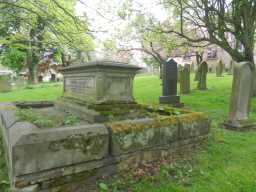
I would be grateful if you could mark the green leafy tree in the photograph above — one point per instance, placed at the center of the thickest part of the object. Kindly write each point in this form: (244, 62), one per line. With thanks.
(40, 25)
(14, 59)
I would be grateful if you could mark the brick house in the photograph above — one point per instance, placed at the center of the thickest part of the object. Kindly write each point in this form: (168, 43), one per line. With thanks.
(211, 54)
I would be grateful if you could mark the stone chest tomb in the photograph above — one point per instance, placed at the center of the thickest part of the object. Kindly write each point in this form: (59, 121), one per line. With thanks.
(114, 133)
(100, 82)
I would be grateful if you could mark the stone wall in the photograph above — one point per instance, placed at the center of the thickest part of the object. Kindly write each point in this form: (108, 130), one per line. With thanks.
(41, 159)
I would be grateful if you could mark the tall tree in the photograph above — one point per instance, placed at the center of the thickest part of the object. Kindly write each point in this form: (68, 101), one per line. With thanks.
(141, 34)
(221, 22)
(37, 25)
(229, 24)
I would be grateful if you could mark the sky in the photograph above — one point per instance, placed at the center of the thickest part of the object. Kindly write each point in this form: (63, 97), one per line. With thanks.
(102, 15)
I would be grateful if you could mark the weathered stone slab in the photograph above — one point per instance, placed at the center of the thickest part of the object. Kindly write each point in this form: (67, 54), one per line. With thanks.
(193, 125)
(185, 79)
(219, 68)
(8, 117)
(33, 150)
(46, 158)
(130, 136)
(240, 96)
(5, 83)
(202, 76)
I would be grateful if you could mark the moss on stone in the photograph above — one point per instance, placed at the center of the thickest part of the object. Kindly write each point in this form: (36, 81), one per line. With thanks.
(132, 126)
(43, 120)
(60, 184)
(78, 142)
(192, 117)
(158, 121)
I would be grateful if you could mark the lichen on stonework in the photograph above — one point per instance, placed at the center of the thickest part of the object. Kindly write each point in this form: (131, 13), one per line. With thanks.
(132, 126)
(192, 117)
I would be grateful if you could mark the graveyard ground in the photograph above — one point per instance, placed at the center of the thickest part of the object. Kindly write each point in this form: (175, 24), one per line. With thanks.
(227, 162)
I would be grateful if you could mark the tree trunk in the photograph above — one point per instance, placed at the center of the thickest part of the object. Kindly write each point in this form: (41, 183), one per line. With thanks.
(32, 75)
(32, 67)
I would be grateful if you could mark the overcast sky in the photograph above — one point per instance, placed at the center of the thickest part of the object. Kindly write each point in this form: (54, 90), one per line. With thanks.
(102, 13)
(102, 16)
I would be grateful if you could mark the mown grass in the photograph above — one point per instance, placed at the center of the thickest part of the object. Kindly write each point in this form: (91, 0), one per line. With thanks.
(226, 163)
(45, 91)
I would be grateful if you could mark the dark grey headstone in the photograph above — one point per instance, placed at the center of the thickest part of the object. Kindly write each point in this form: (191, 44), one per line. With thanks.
(170, 78)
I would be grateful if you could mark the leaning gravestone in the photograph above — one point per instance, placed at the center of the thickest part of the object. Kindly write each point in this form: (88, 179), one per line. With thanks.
(185, 79)
(5, 83)
(202, 74)
(170, 79)
(219, 68)
(240, 98)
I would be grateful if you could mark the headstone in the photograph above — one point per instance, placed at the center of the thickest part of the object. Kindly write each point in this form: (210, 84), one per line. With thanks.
(185, 79)
(219, 68)
(5, 83)
(180, 68)
(170, 72)
(40, 78)
(53, 77)
(100, 82)
(240, 97)
(192, 67)
(202, 73)
(230, 69)
(199, 59)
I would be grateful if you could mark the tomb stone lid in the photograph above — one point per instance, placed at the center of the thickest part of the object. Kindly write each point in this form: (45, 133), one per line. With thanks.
(102, 64)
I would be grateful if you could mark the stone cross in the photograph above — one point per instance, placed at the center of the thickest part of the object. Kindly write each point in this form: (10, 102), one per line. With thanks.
(240, 96)
(170, 72)
(202, 74)
(185, 79)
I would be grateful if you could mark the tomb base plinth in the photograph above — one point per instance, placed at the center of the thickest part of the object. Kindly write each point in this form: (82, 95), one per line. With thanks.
(242, 125)
(173, 100)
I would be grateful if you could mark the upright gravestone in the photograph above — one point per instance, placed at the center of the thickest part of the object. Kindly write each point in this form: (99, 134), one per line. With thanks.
(202, 73)
(5, 83)
(180, 68)
(240, 97)
(219, 68)
(185, 79)
(170, 72)
(192, 67)
(196, 78)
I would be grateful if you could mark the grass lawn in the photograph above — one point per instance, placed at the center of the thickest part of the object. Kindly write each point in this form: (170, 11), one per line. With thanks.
(227, 163)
